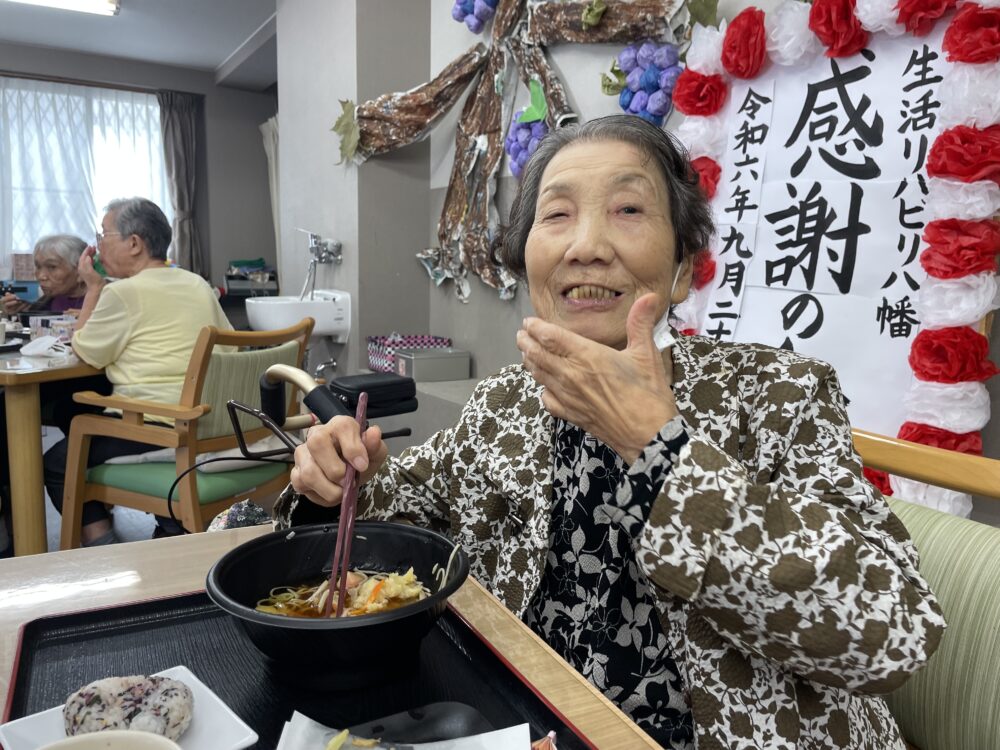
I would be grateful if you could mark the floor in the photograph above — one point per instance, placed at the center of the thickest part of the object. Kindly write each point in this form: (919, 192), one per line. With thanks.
(130, 525)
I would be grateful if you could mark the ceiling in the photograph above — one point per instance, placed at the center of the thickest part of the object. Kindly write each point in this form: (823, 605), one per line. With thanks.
(236, 39)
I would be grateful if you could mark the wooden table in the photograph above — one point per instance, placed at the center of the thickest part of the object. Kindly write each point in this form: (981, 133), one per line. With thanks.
(97, 577)
(20, 379)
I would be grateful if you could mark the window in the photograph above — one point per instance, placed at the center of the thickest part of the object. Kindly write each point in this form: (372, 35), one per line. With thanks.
(66, 151)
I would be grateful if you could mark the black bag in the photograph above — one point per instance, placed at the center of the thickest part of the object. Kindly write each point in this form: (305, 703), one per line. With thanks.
(388, 393)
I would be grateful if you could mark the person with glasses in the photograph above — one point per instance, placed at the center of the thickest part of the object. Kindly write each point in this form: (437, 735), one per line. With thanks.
(140, 328)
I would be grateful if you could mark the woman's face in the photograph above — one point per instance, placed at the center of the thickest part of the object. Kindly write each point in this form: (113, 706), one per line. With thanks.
(55, 275)
(602, 238)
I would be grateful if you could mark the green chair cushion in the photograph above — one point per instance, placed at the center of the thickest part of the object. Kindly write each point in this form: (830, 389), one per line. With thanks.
(954, 702)
(155, 479)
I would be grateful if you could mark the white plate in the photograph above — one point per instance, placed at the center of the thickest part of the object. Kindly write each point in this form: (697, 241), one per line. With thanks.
(214, 726)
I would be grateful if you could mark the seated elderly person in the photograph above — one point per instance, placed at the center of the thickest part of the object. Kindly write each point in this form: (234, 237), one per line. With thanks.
(141, 329)
(56, 257)
(690, 527)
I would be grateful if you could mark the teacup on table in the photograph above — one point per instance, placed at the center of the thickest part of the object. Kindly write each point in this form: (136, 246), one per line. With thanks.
(116, 739)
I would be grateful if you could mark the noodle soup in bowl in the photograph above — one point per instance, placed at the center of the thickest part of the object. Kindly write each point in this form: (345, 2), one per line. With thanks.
(360, 650)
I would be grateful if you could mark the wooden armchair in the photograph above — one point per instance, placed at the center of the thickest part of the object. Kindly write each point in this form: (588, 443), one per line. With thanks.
(951, 704)
(201, 425)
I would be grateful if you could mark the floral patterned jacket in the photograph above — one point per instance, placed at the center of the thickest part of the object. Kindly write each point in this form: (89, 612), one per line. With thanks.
(791, 593)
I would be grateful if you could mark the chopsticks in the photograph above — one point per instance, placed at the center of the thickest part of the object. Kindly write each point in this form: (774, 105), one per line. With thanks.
(345, 529)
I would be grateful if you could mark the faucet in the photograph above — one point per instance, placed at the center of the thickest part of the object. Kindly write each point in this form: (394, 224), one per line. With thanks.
(325, 251)
(322, 252)
(330, 364)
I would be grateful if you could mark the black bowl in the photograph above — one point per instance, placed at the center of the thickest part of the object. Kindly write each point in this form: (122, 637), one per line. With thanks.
(350, 651)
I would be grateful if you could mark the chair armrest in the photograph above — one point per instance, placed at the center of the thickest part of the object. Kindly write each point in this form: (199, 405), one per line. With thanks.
(961, 472)
(138, 406)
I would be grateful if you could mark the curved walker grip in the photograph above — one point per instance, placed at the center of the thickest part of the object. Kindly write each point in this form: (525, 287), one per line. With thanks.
(272, 398)
(325, 405)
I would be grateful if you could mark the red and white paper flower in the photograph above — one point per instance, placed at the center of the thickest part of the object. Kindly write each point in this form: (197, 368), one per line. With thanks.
(703, 136)
(968, 96)
(834, 22)
(947, 199)
(947, 404)
(879, 16)
(744, 47)
(790, 41)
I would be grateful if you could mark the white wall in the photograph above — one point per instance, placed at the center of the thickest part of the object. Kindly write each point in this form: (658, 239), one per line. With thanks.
(317, 67)
(486, 325)
(233, 201)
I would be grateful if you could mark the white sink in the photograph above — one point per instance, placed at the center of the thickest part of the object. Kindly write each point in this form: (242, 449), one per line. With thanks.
(330, 308)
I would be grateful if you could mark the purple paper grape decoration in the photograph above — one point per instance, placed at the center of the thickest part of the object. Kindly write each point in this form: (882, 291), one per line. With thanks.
(639, 101)
(650, 80)
(626, 60)
(651, 71)
(668, 78)
(474, 13)
(658, 103)
(634, 79)
(644, 56)
(665, 56)
(521, 142)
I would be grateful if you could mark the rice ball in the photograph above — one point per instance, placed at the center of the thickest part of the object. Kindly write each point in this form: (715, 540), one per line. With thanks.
(150, 704)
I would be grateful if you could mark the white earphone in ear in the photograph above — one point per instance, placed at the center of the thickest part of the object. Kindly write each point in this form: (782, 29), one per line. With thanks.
(662, 336)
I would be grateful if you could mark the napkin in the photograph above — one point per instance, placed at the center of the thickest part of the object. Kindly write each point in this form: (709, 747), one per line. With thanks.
(302, 733)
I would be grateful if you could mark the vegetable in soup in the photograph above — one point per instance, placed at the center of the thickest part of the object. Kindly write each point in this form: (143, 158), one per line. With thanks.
(368, 592)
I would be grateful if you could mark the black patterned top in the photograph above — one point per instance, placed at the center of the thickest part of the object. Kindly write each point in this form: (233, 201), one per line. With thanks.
(594, 605)
(793, 593)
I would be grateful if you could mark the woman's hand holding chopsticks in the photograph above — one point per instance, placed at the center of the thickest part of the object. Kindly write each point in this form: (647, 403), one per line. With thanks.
(334, 461)
(321, 461)
(345, 529)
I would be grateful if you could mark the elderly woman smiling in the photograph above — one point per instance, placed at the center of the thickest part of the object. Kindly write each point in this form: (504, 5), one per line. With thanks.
(688, 527)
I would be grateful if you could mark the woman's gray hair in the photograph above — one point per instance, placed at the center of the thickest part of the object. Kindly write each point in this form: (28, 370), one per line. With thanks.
(143, 218)
(689, 211)
(67, 247)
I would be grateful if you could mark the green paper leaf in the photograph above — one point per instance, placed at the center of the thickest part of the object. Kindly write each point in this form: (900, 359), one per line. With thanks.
(347, 128)
(593, 13)
(538, 108)
(705, 12)
(613, 81)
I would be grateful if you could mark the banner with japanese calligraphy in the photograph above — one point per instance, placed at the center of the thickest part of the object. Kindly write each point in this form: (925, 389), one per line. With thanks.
(820, 213)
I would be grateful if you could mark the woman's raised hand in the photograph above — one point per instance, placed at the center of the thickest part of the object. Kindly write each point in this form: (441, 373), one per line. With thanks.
(12, 303)
(321, 461)
(85, 268)
(623, 398)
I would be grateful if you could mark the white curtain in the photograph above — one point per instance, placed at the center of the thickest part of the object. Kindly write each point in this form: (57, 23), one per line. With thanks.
(269, 131)
(66, 151)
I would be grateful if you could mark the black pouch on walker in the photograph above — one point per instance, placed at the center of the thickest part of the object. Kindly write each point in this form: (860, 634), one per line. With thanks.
(388, 393)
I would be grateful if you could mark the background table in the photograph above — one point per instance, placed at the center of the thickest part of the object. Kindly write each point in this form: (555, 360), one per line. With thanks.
(20, 379)
(122, 573)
